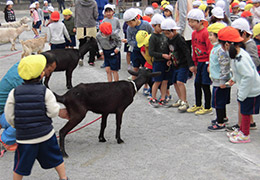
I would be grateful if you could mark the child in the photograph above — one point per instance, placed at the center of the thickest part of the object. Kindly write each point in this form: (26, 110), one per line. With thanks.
(256, 33)
(40, 14)
(235, 11)
(45, 12)
(196, 4)
(246, 78)
(70, 26)
(156, 8)
(134, 25)
(249, 17)
(9, 12)
(126, 47)
(36, 20)
(168, 12)
(29, 109)
(149, 12)
(181, 61)
(158, 49)
(110, 44)
(56, 32)
(217, 16)
(255, 10)
(219, 68)
(201, 48)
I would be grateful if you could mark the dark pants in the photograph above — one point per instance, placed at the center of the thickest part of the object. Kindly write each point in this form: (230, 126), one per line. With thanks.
(207, 94)
(61, 5)
(92, 52)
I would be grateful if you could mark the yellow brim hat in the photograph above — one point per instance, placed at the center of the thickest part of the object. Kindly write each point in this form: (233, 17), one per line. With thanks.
(31, 66)
(256, 30)
(216, 27)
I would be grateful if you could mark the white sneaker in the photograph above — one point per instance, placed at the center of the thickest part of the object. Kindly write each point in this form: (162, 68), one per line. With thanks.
(177, 103)
(183, 107)
(81, 62)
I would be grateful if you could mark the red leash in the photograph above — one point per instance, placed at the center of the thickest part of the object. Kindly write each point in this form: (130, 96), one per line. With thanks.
(10, 54)
(83, 126)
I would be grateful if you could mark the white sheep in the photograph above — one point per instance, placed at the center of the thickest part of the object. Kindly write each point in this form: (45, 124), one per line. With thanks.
(33, 45)
(15, 24)
(10, 34)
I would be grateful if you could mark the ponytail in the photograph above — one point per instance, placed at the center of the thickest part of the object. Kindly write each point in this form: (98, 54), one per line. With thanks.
(232, 51)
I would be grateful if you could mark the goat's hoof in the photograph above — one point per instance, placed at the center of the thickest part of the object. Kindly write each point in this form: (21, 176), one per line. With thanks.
(102, 140)
(120, 141)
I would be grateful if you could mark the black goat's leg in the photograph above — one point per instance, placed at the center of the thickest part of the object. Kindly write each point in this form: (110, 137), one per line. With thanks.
(46, 80)
(102, 128)
(68, 78)
(119, 115)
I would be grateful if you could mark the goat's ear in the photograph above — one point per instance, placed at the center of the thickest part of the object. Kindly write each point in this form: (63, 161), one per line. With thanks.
(154, 74)
(133, 72)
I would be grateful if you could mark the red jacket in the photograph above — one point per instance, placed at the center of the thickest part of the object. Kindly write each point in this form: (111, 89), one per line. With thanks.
(201, 46)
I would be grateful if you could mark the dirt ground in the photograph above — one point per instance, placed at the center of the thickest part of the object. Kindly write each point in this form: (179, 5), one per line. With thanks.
(160, 144)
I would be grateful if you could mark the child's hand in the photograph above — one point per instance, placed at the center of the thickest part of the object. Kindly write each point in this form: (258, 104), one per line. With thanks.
(50, 44)
(124, 40)
(116, 51)
(101, 53)
(193, 69)
(63, 113)
(169, 63)
(166, 56)
(222, 86)
(74, 29)
(70, 41)
(231, 82)
(34, 23)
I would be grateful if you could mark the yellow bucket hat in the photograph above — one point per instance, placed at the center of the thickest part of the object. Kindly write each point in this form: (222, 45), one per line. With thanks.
(31, 66)
(142, 38)
(164, 3)
(203, 7)
(248, 7)
(216, 27)
(256, 30)
(66, 12)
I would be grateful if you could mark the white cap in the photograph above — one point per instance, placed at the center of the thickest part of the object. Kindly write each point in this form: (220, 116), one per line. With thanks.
(256, 1)
(196, 14)
(221, 4)
(196, 3)
(148, 11)
(241, 24)
(130, 14)
(44, 2)
(32, 6)
(242, 5)
(50, 8)
(169, 7)
(139, 11)
(9, 3)
(218, 12)
(111, 6)
(36, 2)
(169, 24)
(157, 19)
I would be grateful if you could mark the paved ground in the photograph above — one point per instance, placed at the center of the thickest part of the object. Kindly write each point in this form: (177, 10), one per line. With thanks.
(160, 144)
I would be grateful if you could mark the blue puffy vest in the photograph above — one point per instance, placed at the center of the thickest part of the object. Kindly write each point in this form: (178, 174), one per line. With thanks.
(31, 120)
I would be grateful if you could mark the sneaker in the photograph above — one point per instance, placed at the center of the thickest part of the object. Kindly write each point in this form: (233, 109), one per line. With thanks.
(40, 31)
(203, 111)
(215, 121)
(36, 36)
(253, 126)
(154, 102)
(149, 96)
(217, 127)
(240, 138)
(146, 92)
(233, 133)
(81, 62)
(183, 107)
(91, 64)
(103, 65)
(163, 103)
(177, 103)
(168, 98)
(12, 147)
(233, 128)
(194, 108)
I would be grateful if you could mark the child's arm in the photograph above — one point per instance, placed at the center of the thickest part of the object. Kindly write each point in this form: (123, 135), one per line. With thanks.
(185, 51)
(194, 56)
(209, 46)
(152, 48)
(49, 35)
(118, 40)
(9, 108)
(65, 32)
(224, 64)
(131, 37)
(52, 107)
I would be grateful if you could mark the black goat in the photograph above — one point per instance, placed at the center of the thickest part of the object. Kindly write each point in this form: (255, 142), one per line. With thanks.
(67, 59)
(102, 98)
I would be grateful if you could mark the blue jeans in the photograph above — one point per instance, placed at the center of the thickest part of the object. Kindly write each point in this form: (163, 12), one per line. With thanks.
(9, 134)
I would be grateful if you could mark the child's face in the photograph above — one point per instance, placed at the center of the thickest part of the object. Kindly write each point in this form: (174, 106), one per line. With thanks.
(256, 4)
(45, 4)
(194, 24)
(109, 13)
(104, 35)
(167, 13)
(66, 17)
(212, 38)
(235, 10)
(157, 28)
(37, 5)
(150, 15)
(206, 13)
(169, 34)
(257, 37)
(225, 46)
(132, 23)
(10, 6)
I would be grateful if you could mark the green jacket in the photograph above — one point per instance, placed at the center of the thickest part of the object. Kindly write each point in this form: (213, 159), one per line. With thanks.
(70, 25)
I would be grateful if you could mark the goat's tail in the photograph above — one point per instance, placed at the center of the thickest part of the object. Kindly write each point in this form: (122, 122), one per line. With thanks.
(59, 98)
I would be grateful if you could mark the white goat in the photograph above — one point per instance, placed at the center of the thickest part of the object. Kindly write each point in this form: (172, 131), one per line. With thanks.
(10, 34)
(33, 45)
(15, 24)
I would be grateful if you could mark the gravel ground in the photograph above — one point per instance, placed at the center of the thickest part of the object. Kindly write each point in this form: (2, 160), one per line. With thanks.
(160, 144)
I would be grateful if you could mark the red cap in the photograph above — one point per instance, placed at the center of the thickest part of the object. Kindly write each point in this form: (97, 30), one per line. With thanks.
(55, 16)
(235, 4)
(210, 1)
(229, 34)
(106, 28)
(249, 1)
(246, 14)
(147, 18)
(155, 5)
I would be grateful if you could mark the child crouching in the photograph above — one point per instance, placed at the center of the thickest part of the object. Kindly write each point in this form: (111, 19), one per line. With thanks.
(110, 43)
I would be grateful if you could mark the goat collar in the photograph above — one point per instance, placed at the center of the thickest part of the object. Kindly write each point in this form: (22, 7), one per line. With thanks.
(134, 86)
